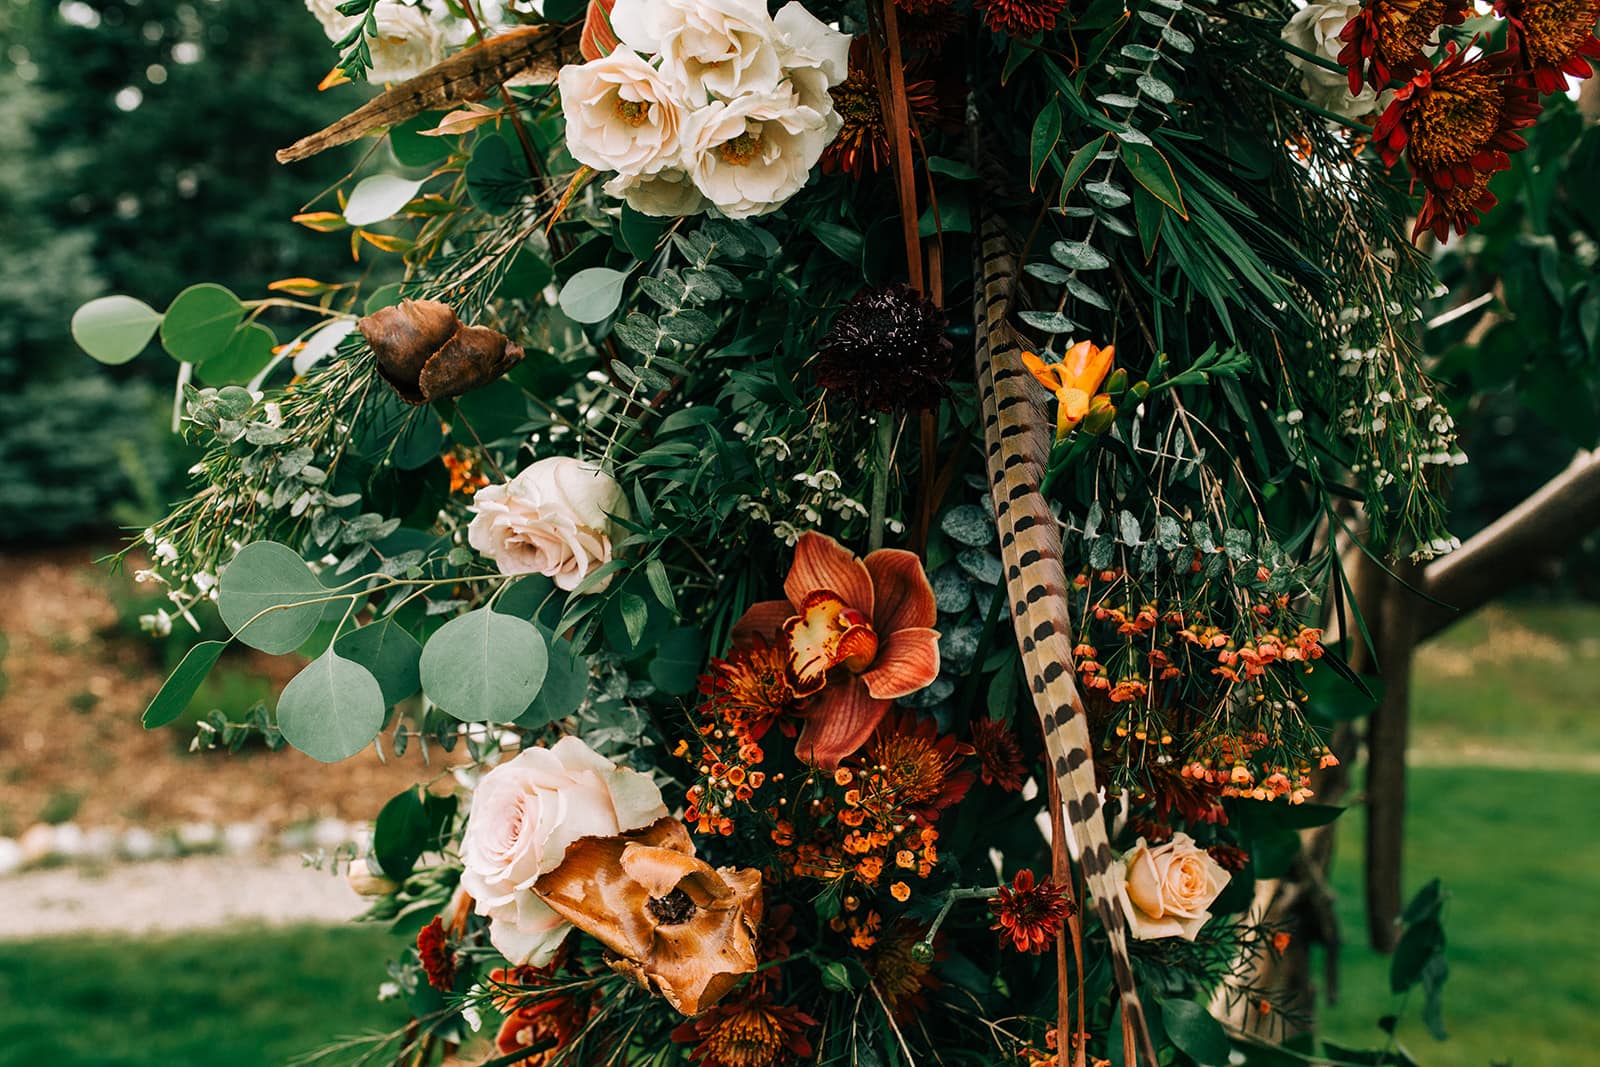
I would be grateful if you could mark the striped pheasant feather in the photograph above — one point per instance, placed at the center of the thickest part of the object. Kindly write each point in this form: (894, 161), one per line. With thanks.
(1018, 434)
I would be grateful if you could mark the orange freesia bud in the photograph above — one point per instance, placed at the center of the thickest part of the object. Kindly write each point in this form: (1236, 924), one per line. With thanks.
(1074, 380)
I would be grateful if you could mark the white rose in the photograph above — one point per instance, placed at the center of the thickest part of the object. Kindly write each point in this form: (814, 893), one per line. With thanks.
(750, 155)
(407, 42)
(1315, 28)
(620, 114)
(1167, 890)
(808, 46)
(707, 47)
(525, 814)
(552, 519)
(668, 193)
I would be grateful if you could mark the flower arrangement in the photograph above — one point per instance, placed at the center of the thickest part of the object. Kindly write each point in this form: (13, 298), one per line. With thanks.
(854, 494)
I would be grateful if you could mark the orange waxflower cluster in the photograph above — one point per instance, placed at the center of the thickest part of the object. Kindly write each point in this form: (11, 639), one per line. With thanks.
(465, 477)
(870, 825)
(1231, 762)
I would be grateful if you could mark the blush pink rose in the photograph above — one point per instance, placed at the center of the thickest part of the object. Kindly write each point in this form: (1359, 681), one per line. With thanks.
(554, 519)
(1168, 889)
(526, 813)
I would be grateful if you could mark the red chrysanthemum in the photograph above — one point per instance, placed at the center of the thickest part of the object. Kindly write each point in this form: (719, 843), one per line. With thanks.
(912, 771)
(753, 1032)
(999, 754)
(1020, 18)
(750, 691)
(1030, 913)
(862, 144)
(1388, 39)
(1455, 125)
(1556, 38)
(902, 967)
(438, 958)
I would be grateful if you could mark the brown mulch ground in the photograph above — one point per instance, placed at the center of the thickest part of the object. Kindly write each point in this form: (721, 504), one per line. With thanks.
(75, 684)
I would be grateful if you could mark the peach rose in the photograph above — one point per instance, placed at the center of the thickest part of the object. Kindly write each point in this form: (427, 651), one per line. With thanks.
(552, 519)
(1168, 889)
(526, 813)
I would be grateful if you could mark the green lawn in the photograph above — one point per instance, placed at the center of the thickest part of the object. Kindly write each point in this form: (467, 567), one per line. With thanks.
(248, 998)
(1519, 852)
(1522, 679)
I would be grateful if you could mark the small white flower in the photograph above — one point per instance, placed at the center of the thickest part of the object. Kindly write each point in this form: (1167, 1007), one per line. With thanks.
(166, 552)
(1293, 418)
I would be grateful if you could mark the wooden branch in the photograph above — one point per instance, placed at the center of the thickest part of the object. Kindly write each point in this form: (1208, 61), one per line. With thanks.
(1515, 547)
(1387, 735)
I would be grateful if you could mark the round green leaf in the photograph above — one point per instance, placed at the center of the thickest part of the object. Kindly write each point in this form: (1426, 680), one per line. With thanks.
(678, 660)
(114, 329)
(200, 322)
(496, 176)
(592, 294)
(566, 683)
(484, 666)
(248, 352)
(1195, 1032)
(257, 594)
(389, 651)
(378, 197)
(411, 149)
(184, 683)
(332, 709)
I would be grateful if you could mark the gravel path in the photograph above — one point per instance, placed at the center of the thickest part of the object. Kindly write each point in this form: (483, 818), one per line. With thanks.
(161, 896)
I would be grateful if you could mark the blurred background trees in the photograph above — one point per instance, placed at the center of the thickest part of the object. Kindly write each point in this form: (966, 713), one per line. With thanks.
(136, 157)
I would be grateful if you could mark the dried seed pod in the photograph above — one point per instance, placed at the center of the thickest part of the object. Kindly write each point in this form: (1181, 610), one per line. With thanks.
(426, 353)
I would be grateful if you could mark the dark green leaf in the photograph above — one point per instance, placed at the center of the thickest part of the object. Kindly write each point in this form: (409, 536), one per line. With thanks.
(181, 686)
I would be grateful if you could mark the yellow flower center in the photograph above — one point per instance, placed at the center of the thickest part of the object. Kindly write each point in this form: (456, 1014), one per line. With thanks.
(633, 112)
(752, 1038)
(1555, 29)
(1405, 27)
(741, 150)
(1454, 121)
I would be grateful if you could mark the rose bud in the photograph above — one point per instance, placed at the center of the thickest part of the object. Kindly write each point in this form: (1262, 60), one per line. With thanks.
(425, 352)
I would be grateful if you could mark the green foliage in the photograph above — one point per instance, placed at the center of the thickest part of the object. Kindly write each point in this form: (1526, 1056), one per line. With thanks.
(484, 666)
(332, 709)
(269, 598)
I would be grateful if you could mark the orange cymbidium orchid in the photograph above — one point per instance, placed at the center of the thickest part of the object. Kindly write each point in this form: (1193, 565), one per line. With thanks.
(678, 926)
(1074, 380)
(860, 636)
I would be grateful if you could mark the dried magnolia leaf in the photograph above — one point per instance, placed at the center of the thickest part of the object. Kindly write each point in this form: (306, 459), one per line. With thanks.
(425, 352)
(678, 926)
(530, 54)
(460, 121)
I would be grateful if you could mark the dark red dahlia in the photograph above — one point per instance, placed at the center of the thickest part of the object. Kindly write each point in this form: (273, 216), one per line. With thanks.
(438, 958)
(1020, 18)
(1389, 39)
(1556, 38)
(1030, 913)
(1455, 125)
(753, 1032)
(887, 350)
(999, 755)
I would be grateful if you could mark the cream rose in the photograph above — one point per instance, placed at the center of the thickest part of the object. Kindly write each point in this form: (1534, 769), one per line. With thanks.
(751, 155)
(1315, 28)
(552, 519)
(815, 56)
(721, 48)
(407, 43)
(668, 193)
(620, 113)
(1167, 890)
(525, 814)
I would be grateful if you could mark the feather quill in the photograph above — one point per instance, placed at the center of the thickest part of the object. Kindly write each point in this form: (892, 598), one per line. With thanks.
(1018, 436)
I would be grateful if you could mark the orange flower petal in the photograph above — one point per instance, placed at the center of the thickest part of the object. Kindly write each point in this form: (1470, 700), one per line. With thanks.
(598, 38)
(907, 661)
(820, 562)
(764, 621)
(904, 594)
(841, 719)
(1047, 374)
